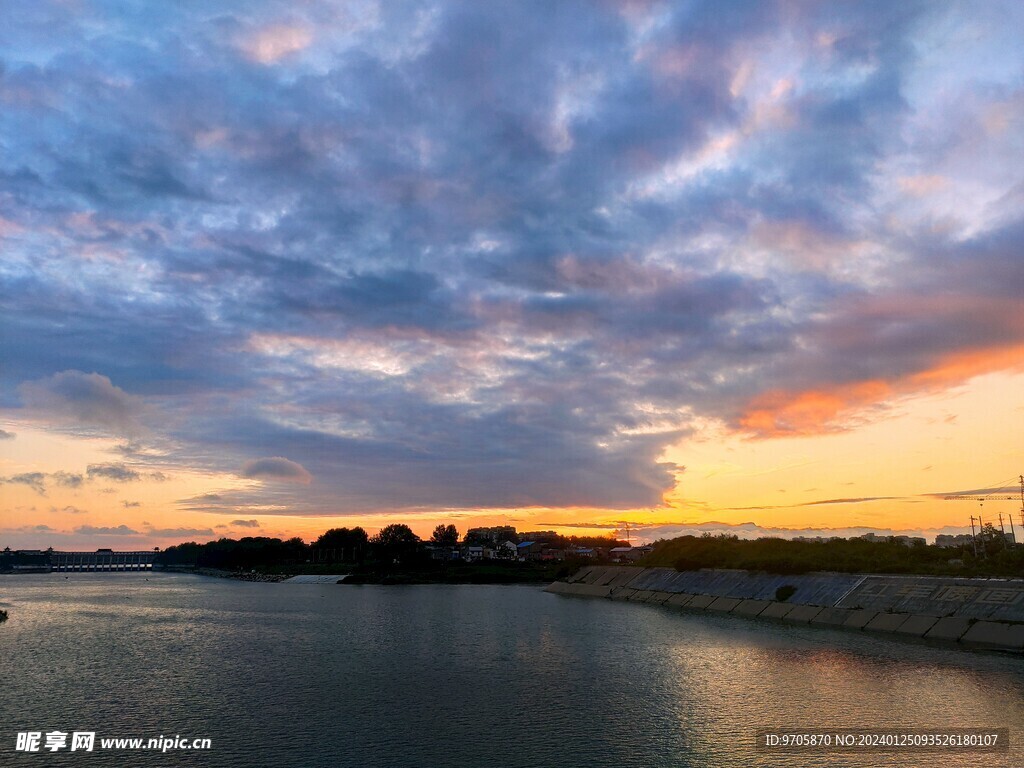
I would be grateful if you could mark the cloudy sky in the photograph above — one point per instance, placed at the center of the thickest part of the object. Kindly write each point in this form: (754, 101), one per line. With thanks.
(270, 267)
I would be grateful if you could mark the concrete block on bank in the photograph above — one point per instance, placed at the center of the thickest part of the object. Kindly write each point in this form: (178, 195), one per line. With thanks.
(583, 590)
(751, 607)
(776, 610)
(917, 625)
(581, 574)
(640, 595)
(622, 575)
(995, 634)
(659, 597)
(589, 590)
(948, 628)
(622, 593)
(724, 604)
(679, 600)
(701, 601)
(832, 617)
(606, 576)
(859, 618)
(886, 622)
(802, 614)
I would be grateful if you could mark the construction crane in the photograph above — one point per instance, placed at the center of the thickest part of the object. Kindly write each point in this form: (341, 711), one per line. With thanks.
(991, 497)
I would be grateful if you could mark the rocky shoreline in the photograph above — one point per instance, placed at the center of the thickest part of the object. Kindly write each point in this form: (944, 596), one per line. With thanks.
(267, 578)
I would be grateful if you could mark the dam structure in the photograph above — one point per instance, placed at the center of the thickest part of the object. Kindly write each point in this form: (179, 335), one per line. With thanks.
(103, 560)
(979, 613)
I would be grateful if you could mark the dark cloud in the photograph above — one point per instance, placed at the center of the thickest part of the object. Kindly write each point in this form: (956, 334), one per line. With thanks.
(131, 504)
(5, 435)
(117, 472)
(34, 480)
(119, 530)
(276, 468)
(1007, 491)
(67, 479)
(178, 533)
(246, 523)
(70, 510)
(856, 500)
(500, 259)
(85, 400)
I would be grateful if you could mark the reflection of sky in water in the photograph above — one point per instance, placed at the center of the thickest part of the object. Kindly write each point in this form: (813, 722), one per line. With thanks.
(824, 689)
(315, 675)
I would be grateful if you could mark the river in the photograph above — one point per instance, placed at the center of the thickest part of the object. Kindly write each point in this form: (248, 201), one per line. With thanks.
(333, 675)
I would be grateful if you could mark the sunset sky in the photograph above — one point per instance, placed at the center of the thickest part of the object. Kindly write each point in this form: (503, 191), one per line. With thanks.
(273, 267)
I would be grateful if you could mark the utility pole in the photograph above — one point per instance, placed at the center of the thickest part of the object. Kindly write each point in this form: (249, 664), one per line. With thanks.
(1003, 529)
(974, 538)
(1022, 502)
(981, 534)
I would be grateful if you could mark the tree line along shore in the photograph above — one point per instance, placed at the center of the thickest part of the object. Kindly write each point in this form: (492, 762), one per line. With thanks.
(503, 555)
(396, 554)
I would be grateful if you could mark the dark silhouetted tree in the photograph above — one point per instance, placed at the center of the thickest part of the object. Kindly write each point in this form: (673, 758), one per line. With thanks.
(445, 536)
(341, 544)
(396, 542)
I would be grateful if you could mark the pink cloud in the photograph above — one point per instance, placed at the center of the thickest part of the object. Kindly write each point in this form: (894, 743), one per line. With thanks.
(273, 43)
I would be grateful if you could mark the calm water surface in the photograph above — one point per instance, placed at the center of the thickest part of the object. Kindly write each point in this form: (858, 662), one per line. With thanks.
(324, 675)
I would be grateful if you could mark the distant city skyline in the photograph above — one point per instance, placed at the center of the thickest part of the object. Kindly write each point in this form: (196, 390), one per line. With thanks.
(273, 268)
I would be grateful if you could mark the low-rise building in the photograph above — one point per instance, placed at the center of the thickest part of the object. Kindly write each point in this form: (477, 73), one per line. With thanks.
(529, 550)
(507, 550)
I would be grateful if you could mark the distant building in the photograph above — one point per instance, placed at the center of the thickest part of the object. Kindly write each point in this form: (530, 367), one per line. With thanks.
(960, 540)
(629, 554)
(494, 534)
(545, 537)
(910, 541)
(874, 537)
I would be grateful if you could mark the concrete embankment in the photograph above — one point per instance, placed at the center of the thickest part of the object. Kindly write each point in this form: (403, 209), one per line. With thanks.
(981, 613)
(315, 578)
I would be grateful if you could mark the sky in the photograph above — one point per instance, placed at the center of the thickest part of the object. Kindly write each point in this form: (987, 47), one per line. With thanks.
(269, 268)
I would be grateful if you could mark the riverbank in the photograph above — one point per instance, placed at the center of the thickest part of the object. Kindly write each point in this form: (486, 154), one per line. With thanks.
(270, 578)
(463, 573)
(425, 573)
(980, 613)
